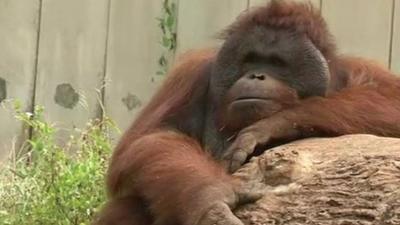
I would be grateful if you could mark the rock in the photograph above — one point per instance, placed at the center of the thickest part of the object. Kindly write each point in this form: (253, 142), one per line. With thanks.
(348, 180)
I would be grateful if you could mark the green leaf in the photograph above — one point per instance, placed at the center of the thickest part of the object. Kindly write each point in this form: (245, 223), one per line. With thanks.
(166, 42)
(170, 22)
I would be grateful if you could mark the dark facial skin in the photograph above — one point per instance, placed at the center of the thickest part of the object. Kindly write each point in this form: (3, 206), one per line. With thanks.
(255, 96)
(258, 73)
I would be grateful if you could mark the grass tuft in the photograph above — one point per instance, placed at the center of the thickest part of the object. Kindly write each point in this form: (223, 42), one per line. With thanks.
(48, 183)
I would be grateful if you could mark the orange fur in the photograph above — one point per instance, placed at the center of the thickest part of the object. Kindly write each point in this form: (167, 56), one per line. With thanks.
(160, 176)
(367, 102)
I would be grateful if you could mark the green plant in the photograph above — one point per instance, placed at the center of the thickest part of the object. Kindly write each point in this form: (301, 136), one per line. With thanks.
(47, 183)
(167, 22)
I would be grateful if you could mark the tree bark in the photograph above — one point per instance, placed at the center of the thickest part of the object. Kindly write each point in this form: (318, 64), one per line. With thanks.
(348, 180)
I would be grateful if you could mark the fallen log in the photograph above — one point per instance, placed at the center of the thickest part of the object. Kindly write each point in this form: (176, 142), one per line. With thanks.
(348, 180)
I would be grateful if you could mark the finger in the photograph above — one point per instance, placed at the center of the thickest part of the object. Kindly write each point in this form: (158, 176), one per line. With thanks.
(241, 143)
(251, 192)
(241, 149)
(220, 214)
(250, 197)
(238, 160)
(227, 158)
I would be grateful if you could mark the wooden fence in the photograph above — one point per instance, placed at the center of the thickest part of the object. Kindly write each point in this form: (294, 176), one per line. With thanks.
(60, 53)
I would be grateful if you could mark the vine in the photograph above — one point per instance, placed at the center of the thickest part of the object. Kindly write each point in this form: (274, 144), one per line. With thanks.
(167, 22)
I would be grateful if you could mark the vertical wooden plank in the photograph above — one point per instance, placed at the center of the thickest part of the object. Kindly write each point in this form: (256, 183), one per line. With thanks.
(395, 59)
(133, 51)
(254, 3)
(71, 60)
(361, 27)
(19, 22)
(264, 2)
(200, 21)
